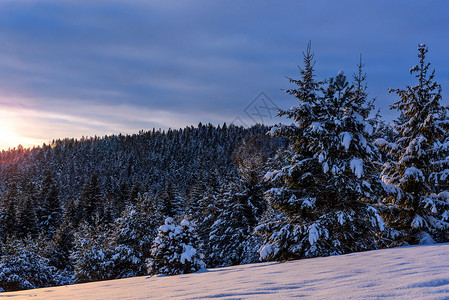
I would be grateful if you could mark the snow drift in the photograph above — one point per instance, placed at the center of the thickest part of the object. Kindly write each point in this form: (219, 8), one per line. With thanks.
(416, 272)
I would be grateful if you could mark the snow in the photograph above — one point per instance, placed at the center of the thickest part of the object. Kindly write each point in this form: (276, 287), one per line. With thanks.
(188, 254)
(356, 166)
(317, 127)
(426, 239)
(444, 195)
(417, 272)
(418, 222)
(377, 218)
(185, 223)
(314, 233)
(266, 251)
(380, 142)
(346, 138)
(414, 173)
(271, 175)
(362, 141)
(292, 199)
(335, 170)
(341, 217)
(369, 129)
(308, 202)
(321, 157)
(445, 216)
(167, 228)
(273, 130)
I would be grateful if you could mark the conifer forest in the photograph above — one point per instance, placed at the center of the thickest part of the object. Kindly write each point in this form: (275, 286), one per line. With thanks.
(336, 179)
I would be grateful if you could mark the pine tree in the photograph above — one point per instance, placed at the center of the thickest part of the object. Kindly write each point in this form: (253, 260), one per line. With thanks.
(90, 200)
(25, 220)
(250, 157)
(136, 188)
(326, 188)
(8, 214)
(22, 266)
(92, 254)
(72, 214)
(167, 199)
(417, 206)
(228, 233)
(176, 249)
(49, 206)
(134, 233)
(60, 246)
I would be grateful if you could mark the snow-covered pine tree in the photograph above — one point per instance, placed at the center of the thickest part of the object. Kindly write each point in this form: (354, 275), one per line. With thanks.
(90, 200)
(8, 214)
(232, 226)
(417, 207)
(25, 219)
(49, 209)
(176, 249)
(205, 216)
(134, 233)
(92, 254)
(59, 247)
(170, 199)
(250, 157)
(330, 181)
(22, 266)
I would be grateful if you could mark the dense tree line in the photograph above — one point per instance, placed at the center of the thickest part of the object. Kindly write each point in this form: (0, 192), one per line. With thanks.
(95, 205)
(337, 180)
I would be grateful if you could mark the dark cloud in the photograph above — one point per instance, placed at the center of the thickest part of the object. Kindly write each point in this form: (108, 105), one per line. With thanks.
(206, 60)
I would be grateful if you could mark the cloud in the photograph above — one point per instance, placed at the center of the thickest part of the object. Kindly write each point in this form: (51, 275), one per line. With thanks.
(201, 58)
(31, 126)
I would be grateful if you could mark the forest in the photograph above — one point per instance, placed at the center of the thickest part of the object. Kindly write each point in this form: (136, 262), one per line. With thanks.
(339, 179)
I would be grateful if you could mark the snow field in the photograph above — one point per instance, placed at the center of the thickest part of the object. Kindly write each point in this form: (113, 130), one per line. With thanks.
(416, 272)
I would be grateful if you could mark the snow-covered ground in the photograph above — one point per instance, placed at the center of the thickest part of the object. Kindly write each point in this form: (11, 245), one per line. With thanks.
(418, 272)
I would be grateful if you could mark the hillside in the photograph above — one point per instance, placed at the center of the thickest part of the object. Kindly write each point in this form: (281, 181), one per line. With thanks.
(65, 205)
(333, 182)
(417, 272)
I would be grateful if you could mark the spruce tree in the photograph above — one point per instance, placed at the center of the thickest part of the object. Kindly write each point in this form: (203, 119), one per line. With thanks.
(176, 249)
(23, 266)
(417, 205)
(134, 233)
(250, 157)
(8, 213)
(328, 183)
(49, 209)
(169, 199)
(232, 225)
(90, 201)
(25, 221)
(92, 254)
(60, 246)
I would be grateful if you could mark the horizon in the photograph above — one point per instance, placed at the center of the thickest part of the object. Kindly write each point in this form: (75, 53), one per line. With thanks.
(73, 69)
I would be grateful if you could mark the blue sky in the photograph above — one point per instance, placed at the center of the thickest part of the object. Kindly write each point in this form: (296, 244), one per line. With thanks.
(84, 68)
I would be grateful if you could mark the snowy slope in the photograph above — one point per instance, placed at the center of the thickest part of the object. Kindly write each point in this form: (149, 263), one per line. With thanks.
(418, 272)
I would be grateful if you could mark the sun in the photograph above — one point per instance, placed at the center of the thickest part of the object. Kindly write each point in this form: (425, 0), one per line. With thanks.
(8, 138)
(17, 129)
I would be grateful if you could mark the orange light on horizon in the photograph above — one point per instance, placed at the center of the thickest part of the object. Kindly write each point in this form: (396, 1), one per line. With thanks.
(10, 138)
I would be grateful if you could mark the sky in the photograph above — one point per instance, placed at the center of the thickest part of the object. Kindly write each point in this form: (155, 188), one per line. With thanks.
(83, 68)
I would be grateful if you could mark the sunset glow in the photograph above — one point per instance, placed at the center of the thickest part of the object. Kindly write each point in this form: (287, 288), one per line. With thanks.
(10, 137)
(70, 69)
(7, 136)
